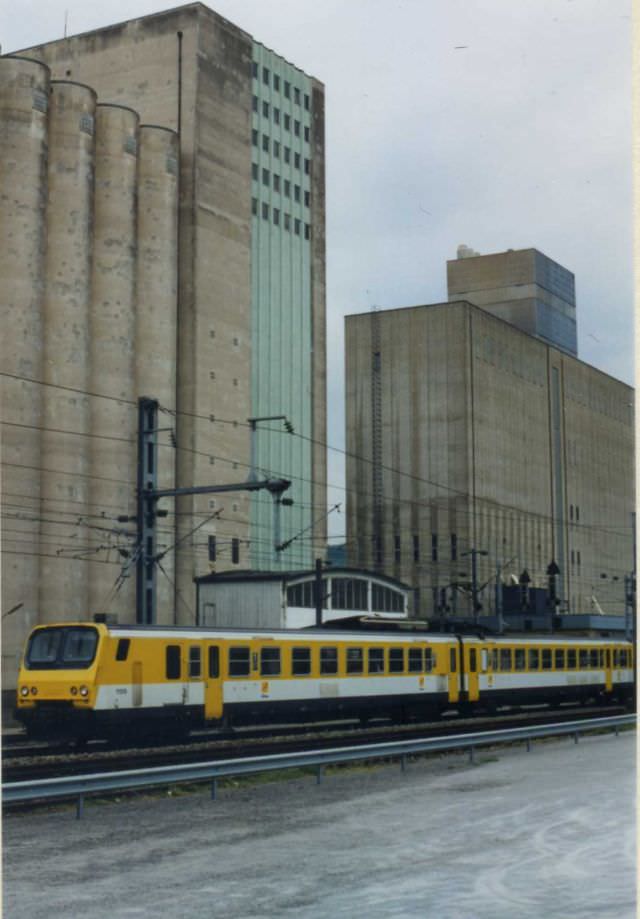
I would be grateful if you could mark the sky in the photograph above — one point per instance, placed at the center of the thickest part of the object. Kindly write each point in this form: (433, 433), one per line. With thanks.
(498, 124)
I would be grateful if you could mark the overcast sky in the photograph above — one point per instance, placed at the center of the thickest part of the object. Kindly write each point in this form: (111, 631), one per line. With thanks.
(496, 123)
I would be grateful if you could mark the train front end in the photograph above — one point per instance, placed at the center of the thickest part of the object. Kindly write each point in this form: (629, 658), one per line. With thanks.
(57, 681)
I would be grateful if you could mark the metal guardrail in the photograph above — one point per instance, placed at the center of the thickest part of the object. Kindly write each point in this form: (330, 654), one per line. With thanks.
(79, 786)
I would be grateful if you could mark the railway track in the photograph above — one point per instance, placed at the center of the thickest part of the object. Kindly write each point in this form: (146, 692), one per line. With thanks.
(20, 763)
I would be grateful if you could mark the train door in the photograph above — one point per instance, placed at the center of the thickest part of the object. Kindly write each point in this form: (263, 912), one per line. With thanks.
(472, 664)
(194, 685)
(453, 674)
(213, 702)
(608, 678)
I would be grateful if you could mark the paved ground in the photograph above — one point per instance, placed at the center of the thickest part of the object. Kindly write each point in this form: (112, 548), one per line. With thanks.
(518, 836)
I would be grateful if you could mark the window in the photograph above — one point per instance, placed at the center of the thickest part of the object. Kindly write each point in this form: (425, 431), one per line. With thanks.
(307, 166)
(505, 659)
(254, 138)
(122, 650)
(254, 103)
(376, 660)
(296, 161)
(328, 660)
(265, 143)
(307, 101)
(301, 661)
(348, 593)
(306, 133)
(571, 658)
(396, 660)
(276, 82)
(287, 221)
(276, 217)
(276, 115)
(546, 658)
(415, 660)
(534, 659)
(355, 660)
(287, 122)
(276, 183)
(296, 128)
(519, 659)
(238, 661)
(307, 231)
(559, 658)
(287, 89)
(276, 149)
(594, 657)
(254, 171)
(296, 193)
(307, 199)
(195, 666)
(454, 547)
(254, 69)
(265, 211)
(172, 662)
(584, 658)
(434, 547)
(287, 188)
(265, 109)
(296, 95)
(473, 660)
(429, 660)
(265, 76)
(296, 226)
(214, 661)
(287, 154)
(270, 661)
(577, 512)
(265, 176)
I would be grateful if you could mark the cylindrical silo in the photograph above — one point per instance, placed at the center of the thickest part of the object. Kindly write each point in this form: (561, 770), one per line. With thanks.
(156, 317)
(24, 95)
(64, 533)
(113, 419)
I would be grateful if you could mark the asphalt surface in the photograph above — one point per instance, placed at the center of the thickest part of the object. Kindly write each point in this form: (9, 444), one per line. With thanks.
(550, 833)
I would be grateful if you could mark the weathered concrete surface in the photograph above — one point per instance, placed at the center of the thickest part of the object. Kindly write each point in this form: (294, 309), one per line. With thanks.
(547, 833)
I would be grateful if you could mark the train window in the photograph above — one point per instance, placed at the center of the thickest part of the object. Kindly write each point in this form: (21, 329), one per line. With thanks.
(519, 656)
(584, 658)
(328, 660)
(195, 667)
(122, 651)
(452, 660)
(594, 657)
(601, 656)
(238, 662)
(270, 661)
(396, 660)
(571, 659)
(546, 658)
(485, 659)
(559, 658)
(608, 657)
(301, 661)
(494, 659)
(173, 662)
(355, 660)
(415, 660)
(624, 657)
(534, 659)
(616, 657)
(214, 661)
(429, 660)
(473, 660)
(376, 660)
(505, 659)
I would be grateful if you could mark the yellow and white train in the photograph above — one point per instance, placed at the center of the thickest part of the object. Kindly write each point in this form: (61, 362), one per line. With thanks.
(80, 680)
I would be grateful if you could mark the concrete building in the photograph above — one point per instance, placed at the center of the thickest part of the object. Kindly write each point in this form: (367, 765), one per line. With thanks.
(465, 433)
(162, 229)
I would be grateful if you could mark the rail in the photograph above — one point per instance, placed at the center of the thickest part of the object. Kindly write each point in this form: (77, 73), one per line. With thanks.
(79, 786)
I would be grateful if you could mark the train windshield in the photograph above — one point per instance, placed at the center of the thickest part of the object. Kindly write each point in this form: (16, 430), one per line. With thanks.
(60, 648)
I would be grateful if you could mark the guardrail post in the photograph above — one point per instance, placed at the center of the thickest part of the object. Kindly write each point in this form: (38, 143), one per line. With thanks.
(214, 789)
(617, 730)
(472, 755)
(319, 774)
(403, 762)
(575, 737)
(528, 745)
(79, 807)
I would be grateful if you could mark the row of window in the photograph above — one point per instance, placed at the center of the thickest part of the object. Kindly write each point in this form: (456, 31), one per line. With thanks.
(273, 180)
(509, 659)
(287, 223)
(273, 80)
(277, 148)
(268, 110)
(453, 549)
(348, 593)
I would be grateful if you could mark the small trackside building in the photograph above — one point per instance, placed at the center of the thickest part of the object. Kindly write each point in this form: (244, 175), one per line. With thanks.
(287, 599)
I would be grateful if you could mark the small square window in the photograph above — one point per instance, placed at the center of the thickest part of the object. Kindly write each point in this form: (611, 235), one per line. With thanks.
(255, 103)
(296, 161)
(296, 128)
(287, 188)
(287, 122)
(307, 102)
(287, 155)
(236, 341)
(265, 211)
(254, 69)
(307, 231)
(287, 222)
(276, 149)
(254, 170)
(212, 504)
(254, 138)
(296, 192)
(287, 89)
(265, 176)
(276, 183)
(212, 374)
(212, 460)
(235, 382)
(265, 76)
(265, 109)
(212, 333)
(296, 95)
(276, 82)
(265, 143)
(296, 226)
(254, 206)
(276, 217)
(307, 199)
(306, 133)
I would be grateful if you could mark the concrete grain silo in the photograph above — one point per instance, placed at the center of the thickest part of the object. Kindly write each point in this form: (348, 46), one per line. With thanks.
(65, 474)
(156, 315)
(24, 94)
(114, 418)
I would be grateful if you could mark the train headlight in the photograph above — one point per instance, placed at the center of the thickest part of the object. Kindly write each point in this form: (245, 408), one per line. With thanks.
(74, 691)
(24, 690)
(84, 692)
(34, 691)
